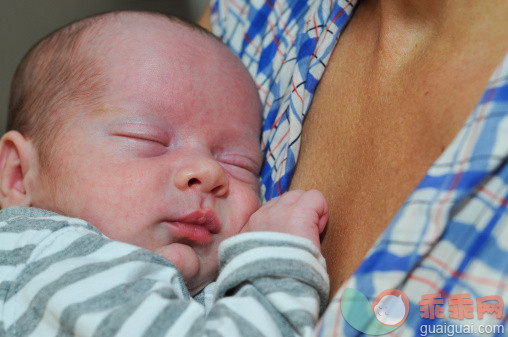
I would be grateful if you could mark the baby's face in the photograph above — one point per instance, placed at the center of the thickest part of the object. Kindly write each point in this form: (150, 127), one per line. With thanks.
(172, 160)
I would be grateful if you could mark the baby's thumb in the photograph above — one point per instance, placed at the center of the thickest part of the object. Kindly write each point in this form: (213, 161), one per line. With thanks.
(317, 201)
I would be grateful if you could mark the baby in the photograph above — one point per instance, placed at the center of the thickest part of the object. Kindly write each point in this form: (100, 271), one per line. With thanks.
(147, 128)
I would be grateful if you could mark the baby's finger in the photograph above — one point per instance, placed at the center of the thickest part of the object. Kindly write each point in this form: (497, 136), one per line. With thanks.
(285, 199)
(289, 198)
(270, 202)
(315, 200)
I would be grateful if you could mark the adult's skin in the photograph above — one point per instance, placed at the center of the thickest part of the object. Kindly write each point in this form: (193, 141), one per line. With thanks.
(414, 70)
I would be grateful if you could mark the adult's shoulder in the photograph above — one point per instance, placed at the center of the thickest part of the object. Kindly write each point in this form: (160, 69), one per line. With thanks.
(204, 21)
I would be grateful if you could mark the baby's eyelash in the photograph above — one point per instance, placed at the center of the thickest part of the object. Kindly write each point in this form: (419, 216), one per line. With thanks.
(243, 163)
(140, 137)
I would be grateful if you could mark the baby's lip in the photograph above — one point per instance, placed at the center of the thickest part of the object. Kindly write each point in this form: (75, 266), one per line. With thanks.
(198, 227)
(203, 218)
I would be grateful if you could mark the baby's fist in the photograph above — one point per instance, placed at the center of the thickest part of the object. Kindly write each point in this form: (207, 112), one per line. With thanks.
(301, 213)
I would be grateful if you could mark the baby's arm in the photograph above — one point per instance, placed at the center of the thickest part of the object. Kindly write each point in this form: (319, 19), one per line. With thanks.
(282, 279)
(277, 262)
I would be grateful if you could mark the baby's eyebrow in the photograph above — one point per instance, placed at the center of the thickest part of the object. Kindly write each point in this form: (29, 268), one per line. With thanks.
(127, 116)
(101, 111)
(137, 126)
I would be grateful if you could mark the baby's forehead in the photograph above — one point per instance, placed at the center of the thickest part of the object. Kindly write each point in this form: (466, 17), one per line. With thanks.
(166, 65)
(177, 45)
(153, 43)
(146, 29)
(171, 49)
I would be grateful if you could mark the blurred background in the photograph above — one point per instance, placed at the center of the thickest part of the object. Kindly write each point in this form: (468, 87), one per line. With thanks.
(24, 22)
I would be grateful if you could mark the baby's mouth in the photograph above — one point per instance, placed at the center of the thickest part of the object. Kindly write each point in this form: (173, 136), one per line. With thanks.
(197, 227)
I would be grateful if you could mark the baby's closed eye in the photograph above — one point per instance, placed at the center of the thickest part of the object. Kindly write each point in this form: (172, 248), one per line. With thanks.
(240, 167)
(142, 138)
(140, 144)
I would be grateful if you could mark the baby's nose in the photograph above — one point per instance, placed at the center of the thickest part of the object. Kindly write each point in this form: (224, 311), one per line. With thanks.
(205, 174)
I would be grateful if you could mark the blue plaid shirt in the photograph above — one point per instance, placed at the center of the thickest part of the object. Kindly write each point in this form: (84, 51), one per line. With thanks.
(451, 235)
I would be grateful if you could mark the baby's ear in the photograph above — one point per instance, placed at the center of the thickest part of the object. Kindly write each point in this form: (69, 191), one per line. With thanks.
(18, 160)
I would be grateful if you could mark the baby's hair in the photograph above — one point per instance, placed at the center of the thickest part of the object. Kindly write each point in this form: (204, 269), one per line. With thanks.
(62, 70)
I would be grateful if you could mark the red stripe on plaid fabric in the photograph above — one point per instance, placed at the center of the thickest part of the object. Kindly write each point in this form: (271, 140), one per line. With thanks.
(283, 165)
(340, 12)
(492, 195)
(422, 280)
(479, 280)
(469, 149)
(294, 87)
(278, 120)
(315, 27)
(330, 24)
(277, 42)
(235, 4)
(284, 24)
(261, 89)
(249, 41)
(276, 146)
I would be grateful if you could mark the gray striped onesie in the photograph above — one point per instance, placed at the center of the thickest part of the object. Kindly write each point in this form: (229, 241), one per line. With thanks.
(60, 276)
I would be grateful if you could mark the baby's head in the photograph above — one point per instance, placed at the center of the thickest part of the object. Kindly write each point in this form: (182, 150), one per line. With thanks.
(143, 125)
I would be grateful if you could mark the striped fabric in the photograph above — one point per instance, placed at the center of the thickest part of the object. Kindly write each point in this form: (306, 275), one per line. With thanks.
(451, 234)
(60, 276)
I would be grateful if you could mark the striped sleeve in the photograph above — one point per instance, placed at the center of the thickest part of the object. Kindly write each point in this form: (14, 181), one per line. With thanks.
(285, 275)
(61, 277)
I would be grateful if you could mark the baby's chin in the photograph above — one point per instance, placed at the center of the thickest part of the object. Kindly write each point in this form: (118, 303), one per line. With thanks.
(186, 260)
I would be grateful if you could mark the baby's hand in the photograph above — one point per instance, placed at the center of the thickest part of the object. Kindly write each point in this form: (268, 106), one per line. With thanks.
(183, 257)
(296, 212)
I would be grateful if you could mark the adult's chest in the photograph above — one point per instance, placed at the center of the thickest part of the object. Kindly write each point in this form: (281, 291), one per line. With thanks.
(372, 131)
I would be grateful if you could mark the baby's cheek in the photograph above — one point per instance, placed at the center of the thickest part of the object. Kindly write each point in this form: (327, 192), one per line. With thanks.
(246, 202)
